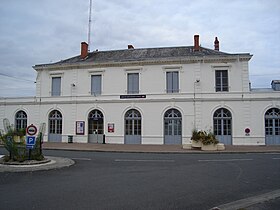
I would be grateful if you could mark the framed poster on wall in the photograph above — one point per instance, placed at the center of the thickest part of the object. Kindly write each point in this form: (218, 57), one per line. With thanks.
(111, 127)
(80, 127)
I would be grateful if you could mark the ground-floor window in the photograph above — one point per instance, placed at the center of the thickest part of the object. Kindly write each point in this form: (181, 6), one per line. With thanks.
(222, 122)
(95, 126)
(272, 126)
(132, 127)
(20, 120)
(172, 127)
(55, 126)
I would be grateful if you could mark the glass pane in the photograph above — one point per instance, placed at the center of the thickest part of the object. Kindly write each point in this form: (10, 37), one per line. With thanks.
(56, 86)
(96, 84)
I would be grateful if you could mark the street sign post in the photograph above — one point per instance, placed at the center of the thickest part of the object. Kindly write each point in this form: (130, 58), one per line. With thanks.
(30, 142)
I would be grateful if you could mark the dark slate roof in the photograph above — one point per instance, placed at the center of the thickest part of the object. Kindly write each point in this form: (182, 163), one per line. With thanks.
(144, 54)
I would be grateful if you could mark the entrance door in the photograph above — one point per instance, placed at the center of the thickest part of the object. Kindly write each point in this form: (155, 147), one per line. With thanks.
(272, 126)
(172, 127)
(222, 126)
(132, 127)
(55, 126)
(95, 127)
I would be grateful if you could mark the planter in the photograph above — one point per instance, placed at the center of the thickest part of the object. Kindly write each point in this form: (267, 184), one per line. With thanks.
(16, 139)
(187, 146)
(220, 147)
(210, 147)
(196, 144)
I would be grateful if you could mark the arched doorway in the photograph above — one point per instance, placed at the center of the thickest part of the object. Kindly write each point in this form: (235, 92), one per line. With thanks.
(95, 126)
(172, 127)
(132, 121)
(55, 126)
(272, 126)
(222, 121)
(20, 120)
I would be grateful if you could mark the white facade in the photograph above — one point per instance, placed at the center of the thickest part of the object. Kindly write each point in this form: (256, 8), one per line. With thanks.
(196, 98)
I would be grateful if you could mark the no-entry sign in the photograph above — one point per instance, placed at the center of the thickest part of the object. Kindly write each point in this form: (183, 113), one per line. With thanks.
(31, 130)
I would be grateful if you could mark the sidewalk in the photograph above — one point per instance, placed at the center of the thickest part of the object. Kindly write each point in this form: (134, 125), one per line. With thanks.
(155, 148)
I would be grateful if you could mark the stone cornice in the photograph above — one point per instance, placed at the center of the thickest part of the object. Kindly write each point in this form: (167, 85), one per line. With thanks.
(183, 60)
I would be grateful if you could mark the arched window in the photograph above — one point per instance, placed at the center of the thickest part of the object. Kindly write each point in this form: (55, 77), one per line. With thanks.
(222, 121)
(55, 126)
(20, 120)
(95, 122)
(272, 126)
(172, 127)
(95, 126)
(132, 127)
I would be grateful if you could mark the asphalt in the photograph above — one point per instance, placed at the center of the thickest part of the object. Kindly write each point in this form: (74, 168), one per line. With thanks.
(156, 148)
(58, 162)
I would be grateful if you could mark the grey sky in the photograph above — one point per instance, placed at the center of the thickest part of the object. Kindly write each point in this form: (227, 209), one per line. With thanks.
(35, 32)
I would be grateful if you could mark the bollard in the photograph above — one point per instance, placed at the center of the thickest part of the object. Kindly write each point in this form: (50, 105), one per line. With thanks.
(104, 139)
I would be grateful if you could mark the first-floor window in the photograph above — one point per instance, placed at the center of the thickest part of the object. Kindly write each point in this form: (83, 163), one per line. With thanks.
(172, 82)
(56, 86)
(133, 83)
(96, 84)
(221, 77)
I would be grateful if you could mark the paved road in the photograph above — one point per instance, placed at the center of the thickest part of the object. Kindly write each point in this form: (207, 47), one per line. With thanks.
(142, 181)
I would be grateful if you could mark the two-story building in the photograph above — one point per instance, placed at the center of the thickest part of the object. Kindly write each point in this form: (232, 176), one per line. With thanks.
(149, 96)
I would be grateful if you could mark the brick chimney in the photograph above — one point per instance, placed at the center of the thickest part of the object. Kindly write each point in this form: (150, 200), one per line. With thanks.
(216, 44)
(196, 43)
(84, 50)
(130, 46)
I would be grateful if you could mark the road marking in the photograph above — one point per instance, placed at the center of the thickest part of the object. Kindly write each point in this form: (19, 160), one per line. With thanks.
(129, 160)
(247, 202)
(276, 158)
(81, 158)
(225, 160)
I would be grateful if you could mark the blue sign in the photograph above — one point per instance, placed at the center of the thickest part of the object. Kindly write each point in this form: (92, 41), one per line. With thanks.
(30, 142)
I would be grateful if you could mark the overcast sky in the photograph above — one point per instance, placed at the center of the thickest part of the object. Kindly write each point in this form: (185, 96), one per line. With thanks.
(35, 32)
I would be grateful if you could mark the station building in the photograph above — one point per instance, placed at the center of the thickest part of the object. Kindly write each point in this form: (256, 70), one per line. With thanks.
(149, 96)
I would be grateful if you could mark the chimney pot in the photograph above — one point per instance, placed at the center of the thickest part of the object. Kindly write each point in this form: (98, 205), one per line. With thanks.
(130, 46)
(84, 50)
(196, 42)
(216, 44)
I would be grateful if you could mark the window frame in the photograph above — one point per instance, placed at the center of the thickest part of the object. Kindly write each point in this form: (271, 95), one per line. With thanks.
(98, 92)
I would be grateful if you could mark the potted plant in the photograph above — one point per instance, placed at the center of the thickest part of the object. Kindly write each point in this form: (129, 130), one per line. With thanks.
(209, 142)
(197, 138)
(204, 140)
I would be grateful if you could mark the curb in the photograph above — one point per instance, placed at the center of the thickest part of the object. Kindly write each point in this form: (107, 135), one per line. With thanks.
(164, 152)
(53, 163)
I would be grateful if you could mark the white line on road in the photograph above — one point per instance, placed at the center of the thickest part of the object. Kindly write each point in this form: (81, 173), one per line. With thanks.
(128, 160)
(276, 158)
(225, 160)
(81, 158)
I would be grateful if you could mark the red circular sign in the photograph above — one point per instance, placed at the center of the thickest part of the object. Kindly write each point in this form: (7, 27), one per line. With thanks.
(247, 130)
(31, 130)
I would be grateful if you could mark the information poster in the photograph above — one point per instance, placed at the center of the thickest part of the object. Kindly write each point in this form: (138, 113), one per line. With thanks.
(111, 127)
(80, 127)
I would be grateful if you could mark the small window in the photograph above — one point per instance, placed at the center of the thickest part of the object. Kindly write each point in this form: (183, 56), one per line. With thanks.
(221, 77)
(172, 82)
(56, 86)
(96, 84)
(133, 83)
